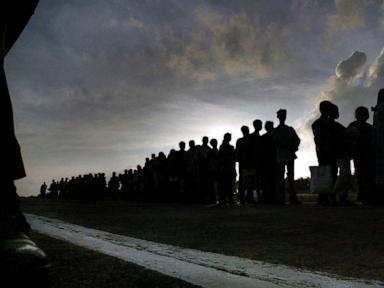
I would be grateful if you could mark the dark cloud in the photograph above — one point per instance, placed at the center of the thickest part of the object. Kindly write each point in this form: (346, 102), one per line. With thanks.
(98, 85)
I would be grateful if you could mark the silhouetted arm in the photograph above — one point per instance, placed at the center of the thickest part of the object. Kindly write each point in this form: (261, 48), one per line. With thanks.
(14, 16)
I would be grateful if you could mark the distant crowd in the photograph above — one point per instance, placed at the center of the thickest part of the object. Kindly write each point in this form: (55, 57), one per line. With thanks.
(206, 172)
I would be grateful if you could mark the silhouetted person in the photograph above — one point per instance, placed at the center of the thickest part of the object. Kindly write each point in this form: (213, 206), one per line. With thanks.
(43, 190)
(113, 186)
(268, 163)
(363, 155)
(124, 180)
(227, 170)
(14, 229)
(342, 145)
(287, 143)
(325, 151)
(244, 158)
(180, 166)
(256, 154)
(161, 170)
(378, 132)
(203, 177)
(191, 169)
(53, 190)
(173, 181)
(213, 172)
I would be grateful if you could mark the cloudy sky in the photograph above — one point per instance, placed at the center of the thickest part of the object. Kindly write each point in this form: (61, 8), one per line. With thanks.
(98, 85)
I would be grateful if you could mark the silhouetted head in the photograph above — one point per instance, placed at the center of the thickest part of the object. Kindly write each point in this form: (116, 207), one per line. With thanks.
(227, 138)
(138, 167)
(162, 155)
(153, 156)
(282, 115)
(362, 114)
(257, 124)
(182, 145)
(334, 112)
(146, 159)
(191, 144)
(245, 130)
(213, 143)
(113, 173)
(205, 140)
(268, 126)
(325, 107)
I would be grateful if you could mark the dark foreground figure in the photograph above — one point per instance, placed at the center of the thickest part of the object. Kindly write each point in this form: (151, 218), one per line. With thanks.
(21, 261)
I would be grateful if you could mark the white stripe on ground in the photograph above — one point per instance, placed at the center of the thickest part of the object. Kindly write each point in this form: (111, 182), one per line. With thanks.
(200, 268)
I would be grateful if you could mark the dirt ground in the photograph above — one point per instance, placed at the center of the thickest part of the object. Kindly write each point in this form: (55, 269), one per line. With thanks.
(348, 241)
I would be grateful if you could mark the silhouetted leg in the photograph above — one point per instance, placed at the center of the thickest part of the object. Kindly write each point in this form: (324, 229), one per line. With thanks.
(291, 183)
(344, 181)
(280, 183)
(241, 186)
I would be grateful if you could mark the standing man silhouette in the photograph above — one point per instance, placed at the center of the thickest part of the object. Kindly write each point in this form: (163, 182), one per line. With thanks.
(325, 151)
(243, 156)
(378, 134)
(19, 255)
(287, 143)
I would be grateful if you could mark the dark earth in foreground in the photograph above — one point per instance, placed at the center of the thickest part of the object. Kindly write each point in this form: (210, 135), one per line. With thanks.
(348, 241)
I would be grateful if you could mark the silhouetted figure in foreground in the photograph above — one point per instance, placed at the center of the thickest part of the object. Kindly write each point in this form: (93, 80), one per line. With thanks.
(268, 164)
(255, 154)
(378, 132)
(287, 143)
(342, 145)
(14, 16)
(322, 132)
(363, 155)
(227, 170)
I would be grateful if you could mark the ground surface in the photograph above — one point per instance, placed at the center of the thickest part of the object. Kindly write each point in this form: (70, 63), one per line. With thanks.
(346, 241)
(76, 267)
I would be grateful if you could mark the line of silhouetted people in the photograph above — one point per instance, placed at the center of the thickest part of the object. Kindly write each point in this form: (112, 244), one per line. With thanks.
(206, 172)
(337, 145)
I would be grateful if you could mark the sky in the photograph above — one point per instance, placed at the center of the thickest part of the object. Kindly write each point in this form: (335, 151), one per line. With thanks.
(98, 85)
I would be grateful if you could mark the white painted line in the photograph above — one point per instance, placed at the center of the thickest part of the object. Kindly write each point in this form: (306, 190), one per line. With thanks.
(200, 268)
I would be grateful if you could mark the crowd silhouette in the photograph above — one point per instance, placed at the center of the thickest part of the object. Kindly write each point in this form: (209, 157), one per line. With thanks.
(206, 172)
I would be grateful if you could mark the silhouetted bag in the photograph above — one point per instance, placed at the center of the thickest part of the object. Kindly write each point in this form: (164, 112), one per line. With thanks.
(321, 179)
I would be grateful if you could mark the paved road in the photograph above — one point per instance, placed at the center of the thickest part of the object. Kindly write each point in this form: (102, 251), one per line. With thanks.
(209, 270)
